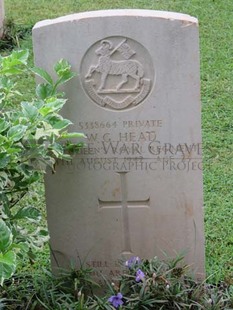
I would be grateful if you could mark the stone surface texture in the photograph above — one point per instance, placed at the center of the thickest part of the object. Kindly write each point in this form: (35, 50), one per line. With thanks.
(136, 187)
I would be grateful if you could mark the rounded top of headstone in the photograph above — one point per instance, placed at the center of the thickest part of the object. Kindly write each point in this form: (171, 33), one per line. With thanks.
(119, 13)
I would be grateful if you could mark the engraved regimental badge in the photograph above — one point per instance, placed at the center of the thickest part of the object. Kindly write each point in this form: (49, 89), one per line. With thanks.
(117, 73)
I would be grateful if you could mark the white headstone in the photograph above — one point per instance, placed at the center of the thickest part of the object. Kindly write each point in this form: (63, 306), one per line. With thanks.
(136, 188)
(2, 16)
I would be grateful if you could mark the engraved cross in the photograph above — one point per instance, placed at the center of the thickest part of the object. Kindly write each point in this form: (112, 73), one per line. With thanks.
(124, 204)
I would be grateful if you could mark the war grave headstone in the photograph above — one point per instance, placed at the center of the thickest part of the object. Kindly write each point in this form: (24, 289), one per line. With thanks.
(135, 189)
(2, 16)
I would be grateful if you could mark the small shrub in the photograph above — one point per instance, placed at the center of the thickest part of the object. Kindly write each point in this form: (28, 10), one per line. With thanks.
(32, 136)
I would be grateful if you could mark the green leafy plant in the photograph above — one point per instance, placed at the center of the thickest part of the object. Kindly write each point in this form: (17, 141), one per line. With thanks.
(143, 285)
(32, 136)
(154, 284)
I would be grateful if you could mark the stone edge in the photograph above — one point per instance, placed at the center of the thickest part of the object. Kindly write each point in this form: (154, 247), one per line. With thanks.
(173, 16)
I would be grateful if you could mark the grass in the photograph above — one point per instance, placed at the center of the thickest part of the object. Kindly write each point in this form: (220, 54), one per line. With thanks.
(162, 285)
(216, 37)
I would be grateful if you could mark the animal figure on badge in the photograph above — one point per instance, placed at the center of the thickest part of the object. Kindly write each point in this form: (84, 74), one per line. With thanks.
(106, 66)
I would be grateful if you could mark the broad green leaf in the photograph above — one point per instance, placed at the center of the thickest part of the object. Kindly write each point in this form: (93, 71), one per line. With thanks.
(44, 111)
(61, 124)
(63, 70)
(55, 103)
(61, 67)
(6, 83)
(38, 104)
(53, 119)
(11, 64)
(5, 236)
(16, 133)
(4, 142)
(11, 71)
(3, 178)
(21, 56)
(4, 160)
(46, 132)
(43, 74)
(29, 213)
(57, 149)
(72, 135)
(7, 265)
(13, 150)
(3, 125)
(40, 132)
(65, 78)
(8, 258)
(52, 105)
(44, 91)
(29, 111)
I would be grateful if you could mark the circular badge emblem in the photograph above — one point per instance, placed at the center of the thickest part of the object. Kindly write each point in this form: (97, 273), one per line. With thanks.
(117, 73)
